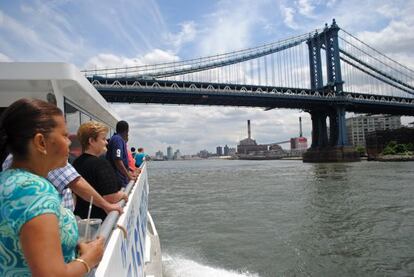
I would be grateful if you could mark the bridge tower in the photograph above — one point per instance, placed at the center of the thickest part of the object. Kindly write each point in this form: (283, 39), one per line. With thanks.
(333, 147)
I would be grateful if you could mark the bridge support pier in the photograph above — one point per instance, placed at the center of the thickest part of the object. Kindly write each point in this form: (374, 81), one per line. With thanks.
(319, 129)
(334, 148)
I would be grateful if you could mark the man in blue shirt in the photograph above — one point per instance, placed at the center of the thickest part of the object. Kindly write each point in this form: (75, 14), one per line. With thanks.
(117, 153)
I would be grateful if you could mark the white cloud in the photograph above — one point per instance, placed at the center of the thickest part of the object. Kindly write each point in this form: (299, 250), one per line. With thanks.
(330, 3)
(187, 34)
(305, 7)
(45, 39)
(288, 15)
(62, 31)
(107, 60)
(17, 29)
(151, 6)
(4, 58)
(159, 56)
(191, 129)
(397, 37)
(39, 11)
(229, 27)
(389, 10)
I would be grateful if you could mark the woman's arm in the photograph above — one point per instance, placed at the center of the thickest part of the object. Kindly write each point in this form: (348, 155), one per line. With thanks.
(121, 167)
(82, 188)
(116, 197)
(40, 241)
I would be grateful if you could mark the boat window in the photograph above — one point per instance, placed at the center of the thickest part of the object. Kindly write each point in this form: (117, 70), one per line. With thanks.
(73, 119)
(85, 118)
(72, 116)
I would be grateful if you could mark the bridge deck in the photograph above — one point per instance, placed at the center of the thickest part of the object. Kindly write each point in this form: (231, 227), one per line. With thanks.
(129, 90)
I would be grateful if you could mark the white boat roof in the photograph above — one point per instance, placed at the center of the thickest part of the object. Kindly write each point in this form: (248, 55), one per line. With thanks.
(36, 79)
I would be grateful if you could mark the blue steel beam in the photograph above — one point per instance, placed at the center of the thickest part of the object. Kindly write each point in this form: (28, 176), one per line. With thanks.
(333, 65)
(170, 92)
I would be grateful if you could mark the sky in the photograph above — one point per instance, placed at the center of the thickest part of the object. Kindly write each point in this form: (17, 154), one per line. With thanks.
(105, 33)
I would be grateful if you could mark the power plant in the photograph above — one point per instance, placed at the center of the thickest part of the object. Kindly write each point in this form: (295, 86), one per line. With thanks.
(299, 144)
(249, 149)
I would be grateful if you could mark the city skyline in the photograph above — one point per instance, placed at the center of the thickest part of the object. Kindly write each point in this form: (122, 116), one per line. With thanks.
(177, 151)
(146, 32)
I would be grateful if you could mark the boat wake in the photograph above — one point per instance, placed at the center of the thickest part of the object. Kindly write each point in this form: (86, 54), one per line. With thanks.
(176, 266)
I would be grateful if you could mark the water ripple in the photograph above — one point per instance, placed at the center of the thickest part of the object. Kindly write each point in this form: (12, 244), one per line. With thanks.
(285, 218)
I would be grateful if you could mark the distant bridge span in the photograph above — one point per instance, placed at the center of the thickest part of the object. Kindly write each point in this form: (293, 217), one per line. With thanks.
(129, 90)
(327, 73)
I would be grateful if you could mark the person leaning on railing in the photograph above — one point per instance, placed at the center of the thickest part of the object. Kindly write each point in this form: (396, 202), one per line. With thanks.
(140, 157)
(66, 179)
(38, 235)
(97, 171)
(117, 153)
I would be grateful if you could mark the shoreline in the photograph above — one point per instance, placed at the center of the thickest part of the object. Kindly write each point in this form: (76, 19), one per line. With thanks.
(393, 158)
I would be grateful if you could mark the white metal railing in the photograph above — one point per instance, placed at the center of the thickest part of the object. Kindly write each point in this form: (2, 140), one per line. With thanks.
(125, 234)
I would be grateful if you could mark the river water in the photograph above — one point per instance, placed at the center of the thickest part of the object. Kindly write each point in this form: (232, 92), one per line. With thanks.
(284, 218)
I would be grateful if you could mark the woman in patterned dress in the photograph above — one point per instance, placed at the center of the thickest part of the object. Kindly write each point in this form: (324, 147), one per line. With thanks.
(37, 235)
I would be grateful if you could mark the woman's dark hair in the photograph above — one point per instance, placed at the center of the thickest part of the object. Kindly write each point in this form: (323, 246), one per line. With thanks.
(21, 121)
(132, 149)
(122, 127)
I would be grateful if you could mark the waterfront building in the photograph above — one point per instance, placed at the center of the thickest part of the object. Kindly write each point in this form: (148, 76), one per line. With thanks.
(219, 151)
(226, 150)
(232, 151)
(377, 140)
(248, 148)
(177, 155)
(170, 153)
(358, 127)
(299, 143)
(248, 144)
(298, 146)
(159, 155)
(204, 154)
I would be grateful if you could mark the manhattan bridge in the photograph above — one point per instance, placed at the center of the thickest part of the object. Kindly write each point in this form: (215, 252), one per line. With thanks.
(326, 72)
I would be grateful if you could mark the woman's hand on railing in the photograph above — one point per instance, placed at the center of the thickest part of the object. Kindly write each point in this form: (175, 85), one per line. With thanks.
(92, 252)
(113, 207)
(132, 176)
(125, 196)
(136, 172)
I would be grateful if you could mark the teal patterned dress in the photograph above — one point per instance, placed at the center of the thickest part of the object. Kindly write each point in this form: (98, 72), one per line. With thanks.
(23, 196)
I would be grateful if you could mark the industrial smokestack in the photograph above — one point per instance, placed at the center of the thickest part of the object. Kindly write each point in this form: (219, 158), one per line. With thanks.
(300, 127)
(248, 129)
